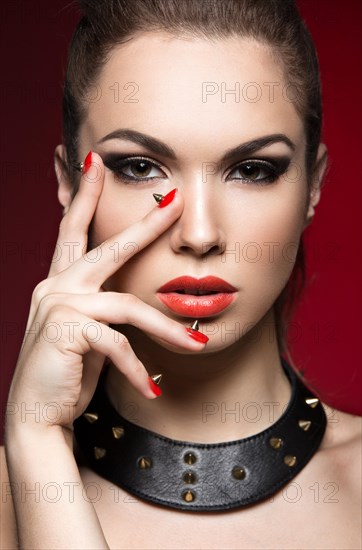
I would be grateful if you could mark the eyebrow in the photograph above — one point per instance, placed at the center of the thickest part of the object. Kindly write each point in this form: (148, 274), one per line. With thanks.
(159, 147)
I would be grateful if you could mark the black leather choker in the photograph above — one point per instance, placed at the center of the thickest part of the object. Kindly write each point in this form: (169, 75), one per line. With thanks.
(197, 476)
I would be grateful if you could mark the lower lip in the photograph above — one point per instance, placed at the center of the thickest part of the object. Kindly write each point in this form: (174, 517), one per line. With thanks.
(196, 306)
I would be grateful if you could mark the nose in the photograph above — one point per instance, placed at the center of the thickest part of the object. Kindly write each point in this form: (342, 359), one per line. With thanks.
(198, 231)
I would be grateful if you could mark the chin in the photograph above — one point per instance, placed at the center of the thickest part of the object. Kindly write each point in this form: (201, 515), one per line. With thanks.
(213, 346)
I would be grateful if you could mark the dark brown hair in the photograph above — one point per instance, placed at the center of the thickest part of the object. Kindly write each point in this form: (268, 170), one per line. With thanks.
(275, 23)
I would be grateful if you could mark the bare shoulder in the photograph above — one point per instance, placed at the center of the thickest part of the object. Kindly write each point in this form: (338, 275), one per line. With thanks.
(8, 539)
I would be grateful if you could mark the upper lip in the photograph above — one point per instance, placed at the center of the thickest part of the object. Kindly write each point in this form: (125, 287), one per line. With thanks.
(190, 285)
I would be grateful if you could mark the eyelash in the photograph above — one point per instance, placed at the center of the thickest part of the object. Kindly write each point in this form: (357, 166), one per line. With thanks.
(276, 168)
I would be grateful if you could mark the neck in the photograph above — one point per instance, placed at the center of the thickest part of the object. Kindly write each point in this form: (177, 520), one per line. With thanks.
(209, 397)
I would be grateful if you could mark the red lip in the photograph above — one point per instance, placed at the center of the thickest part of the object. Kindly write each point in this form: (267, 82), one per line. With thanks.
(219, 295)
(186, 283)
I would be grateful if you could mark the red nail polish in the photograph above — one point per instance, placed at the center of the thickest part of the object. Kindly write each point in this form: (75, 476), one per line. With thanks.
(156, 389)
(87, 162)
(168, 198)
(196, 335)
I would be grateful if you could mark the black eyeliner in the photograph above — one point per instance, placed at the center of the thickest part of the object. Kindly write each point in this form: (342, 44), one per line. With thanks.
(116, 161)
(275, 165)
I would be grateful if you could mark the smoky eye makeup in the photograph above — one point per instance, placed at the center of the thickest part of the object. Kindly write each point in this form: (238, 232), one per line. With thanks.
(260, 171)
(138, 169)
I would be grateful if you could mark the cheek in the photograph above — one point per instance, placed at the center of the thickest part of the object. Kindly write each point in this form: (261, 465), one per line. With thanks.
(268, 247)
(117, 209)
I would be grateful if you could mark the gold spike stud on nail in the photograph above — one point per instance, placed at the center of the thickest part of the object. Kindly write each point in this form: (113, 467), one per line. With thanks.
(158, 198)
(195, 326)
(79, 166)
(157, 378)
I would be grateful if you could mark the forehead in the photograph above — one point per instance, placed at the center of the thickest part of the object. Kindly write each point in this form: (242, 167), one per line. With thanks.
(174, 86)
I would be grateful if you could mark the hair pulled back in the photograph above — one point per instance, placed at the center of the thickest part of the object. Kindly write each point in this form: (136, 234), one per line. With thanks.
(275, 23)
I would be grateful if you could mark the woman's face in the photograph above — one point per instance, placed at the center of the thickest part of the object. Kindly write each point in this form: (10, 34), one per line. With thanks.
(239, 223)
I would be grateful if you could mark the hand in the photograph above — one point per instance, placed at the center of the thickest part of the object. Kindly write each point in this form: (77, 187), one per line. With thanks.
(67, 335)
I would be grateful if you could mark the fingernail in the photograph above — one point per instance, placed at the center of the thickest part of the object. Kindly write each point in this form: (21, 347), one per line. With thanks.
(162, 200)
(156, 390)
(194, 332)
(87, 162)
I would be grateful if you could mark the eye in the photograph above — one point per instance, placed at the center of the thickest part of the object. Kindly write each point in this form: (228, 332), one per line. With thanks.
(259, 172)
(138, 168)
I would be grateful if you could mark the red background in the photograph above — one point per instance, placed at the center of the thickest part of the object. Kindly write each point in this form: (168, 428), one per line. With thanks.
(325, 338)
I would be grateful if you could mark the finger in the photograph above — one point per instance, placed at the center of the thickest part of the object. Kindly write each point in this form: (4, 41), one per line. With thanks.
(116, 346)
(73, 231)
(80, 334)
(116, 308)
(99, 264)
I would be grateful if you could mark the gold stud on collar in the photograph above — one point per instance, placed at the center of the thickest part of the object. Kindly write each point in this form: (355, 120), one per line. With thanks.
(238, 473)
(118, 432)
(99, 452)
(304, 424)
(290, 460)
(190, 458)
(189, 477)
(276, 442)
(189, 496)
(144, 463)
(312, 401)
(91, 417)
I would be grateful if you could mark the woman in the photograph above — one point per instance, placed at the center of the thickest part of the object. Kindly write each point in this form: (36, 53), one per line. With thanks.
(123, 301)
